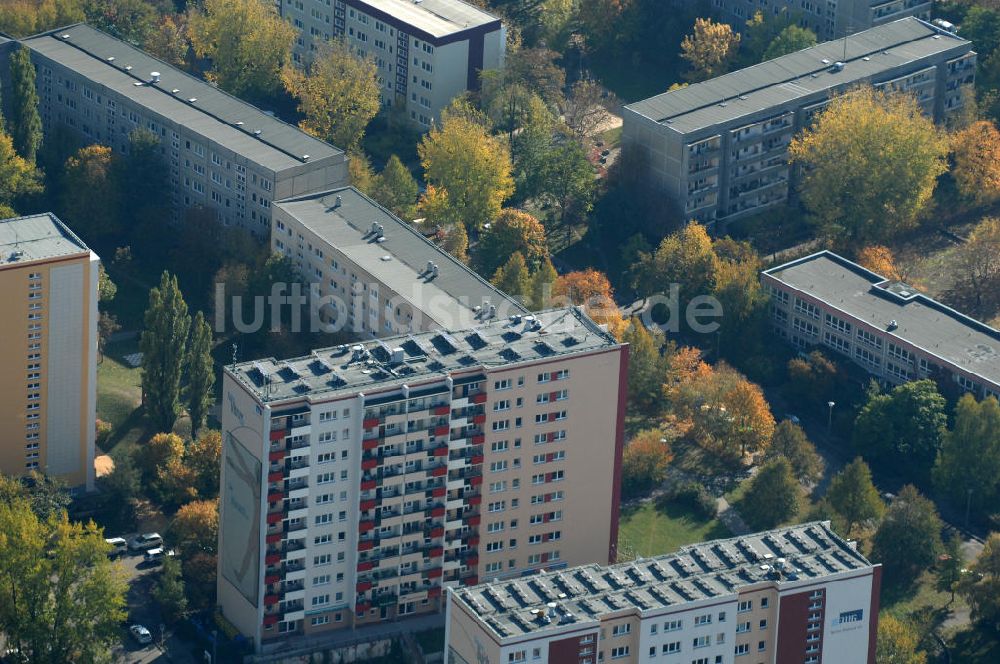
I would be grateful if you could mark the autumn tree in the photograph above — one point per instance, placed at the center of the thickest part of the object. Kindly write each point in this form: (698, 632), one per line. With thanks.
(710, 49)
(61, 598)
(870, 162)
(247, 42)
(950, 565)
(129, 20)
(790, 441)
(978, 265)
(644, 462)
(772, 496)
(204, 457)
(743, 301)
(685, 257)
(879, 259)
(586, 109)
(592, 290)
(813, 380)
(195, 528)
(21, 18)
(338, 93)
(91, 196)
(791, 39)
(537, 70)
(646, 369)
(908, 539)
(898, 642)
(159, 451)
(981, 587)
(25, 122)
(471, 164)
(18, 177)
(543, 283)
(853, 495)
(969, 458)
(163, 344)
(512, 231)
(396, 189)
(455, 240)
(976, 155)
(168, 40)
(513, 277)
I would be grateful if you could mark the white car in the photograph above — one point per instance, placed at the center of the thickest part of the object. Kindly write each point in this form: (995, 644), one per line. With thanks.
(141, 634)
(144, 542)
(118, 546)
(157, 555)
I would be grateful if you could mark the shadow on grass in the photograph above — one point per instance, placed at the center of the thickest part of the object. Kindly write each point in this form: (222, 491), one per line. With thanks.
(975, 644)
(134, 429)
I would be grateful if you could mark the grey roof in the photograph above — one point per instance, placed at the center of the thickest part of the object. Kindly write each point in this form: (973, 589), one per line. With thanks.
(439, 18)
(213, 115)
(922, 321)
(366, 367)
(719, 568)
(781, 80)
(347, 227)
(36, 237)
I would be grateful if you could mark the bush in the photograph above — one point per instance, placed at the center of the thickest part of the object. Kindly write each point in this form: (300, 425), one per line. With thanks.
(695, 497)
(102, 433)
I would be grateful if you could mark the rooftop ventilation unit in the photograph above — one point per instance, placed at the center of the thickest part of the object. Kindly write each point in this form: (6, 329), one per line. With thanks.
(128, 67)
(892, 324)
(256, 132)
(154, 77)
(305, 157)
(192, 100)
(338, 201)
(65, 35)
(238, 123)
(837, 66)
(111, 58)
(175, 91)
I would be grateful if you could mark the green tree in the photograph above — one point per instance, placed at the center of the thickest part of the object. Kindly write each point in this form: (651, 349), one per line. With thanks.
(981, 587)
(646, 369)
(949, 569)
(772, 496)
(247, 42)
(969, 459)
(685, 257)
(25, 122)
(22, 18)
(513, 277)
(91, 200)
(200, 373)
(129, 20)
(338, 93)
(870, 162)
(396, 189)
(139, 175)
(790, 442)
(569, 182)
(61, 598)
(897, 642)
(981, 26)
(456, 242)
(47, 497)
(908, 540)
(360, 172)
(471, 164)
(169, 590)
(644, 462)
(169, 40)
(793, 38)
(163, 344)
(18, 177)
(512, 231)
(542, 284)
(854, 496)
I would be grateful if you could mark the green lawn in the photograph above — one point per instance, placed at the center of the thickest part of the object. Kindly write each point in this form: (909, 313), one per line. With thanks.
(119, 390)
(649, 531)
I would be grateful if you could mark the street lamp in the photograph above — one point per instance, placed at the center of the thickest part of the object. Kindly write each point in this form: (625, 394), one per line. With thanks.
(829, 419)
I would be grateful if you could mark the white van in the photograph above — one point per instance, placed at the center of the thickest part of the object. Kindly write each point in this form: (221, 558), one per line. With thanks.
(119, 547)
(156, 556)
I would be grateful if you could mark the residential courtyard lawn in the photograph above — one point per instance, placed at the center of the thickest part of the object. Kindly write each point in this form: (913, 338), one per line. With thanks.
(119, 386)
(652, 529)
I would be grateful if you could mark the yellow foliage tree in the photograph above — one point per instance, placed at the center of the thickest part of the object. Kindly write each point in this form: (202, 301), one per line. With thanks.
(976, 154)
(710, 49)
(593, 291)
(870, 162)
(21, 18)
(880, 260)
(644, 462)
(195, 527)
(247, 42)
(338, 93)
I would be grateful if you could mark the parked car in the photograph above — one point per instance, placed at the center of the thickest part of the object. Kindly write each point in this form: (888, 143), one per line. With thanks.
(156, 556)
(144, 542)
(118, 546)
(792, 418)
(141, 635)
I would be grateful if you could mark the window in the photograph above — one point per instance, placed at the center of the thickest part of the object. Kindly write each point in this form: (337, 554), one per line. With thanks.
(763, 624)
(322, 539)
(670, 648)
(763, 602)
(504, 384)
(702, 641)
(703, 620)
(321, 580)
(806, 308)
(619, 652)
(742, 648)
(838, 324)
(518, 656)
(672, 625)
(621, 630)
(743, 607)
(319, 561)
(743, 627)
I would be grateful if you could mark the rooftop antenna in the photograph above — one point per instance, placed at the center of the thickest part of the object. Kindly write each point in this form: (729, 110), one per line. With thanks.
(235, 351)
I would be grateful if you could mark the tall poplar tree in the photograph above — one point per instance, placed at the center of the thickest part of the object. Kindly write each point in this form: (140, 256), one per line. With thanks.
(201, 375)
(25, 123)
(163, 345)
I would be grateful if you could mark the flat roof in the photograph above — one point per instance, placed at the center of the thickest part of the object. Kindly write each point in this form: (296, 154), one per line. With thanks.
(921, 321)
(718, 568)
(36, 237)
(803, 73)
(399, 260)
(368, 366)
(439, 18)
(214, 114)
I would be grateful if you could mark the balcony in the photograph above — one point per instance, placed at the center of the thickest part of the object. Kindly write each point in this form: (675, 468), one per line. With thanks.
(368, 504)
(278, 434)
(371, 422)
(369, 444)
(368, 484)
(365, 526)
(369, 464)
(478, 439)
(276, 476)
(441, 410)
(440, 431)
(440, 451)
(478, 398)
(275, 517)
(276, 455)
(273, 538)
(479, 419)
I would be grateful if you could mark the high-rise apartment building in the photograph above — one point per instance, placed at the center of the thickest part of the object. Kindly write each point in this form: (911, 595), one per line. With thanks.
(48, 345)
(830, 19)
(377, 275)
(796, 595)
(889, 328)
(222, 153)
(719, 149)
(427, 51)
(361, 481)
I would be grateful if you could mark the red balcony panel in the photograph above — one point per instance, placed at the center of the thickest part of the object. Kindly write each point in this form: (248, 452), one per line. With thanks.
(441, 451)
(549, 457)
(365, 566)
(439, 492)
(278, 434)
(477, 459)
(271, 599)
(478, 439)
(478, 419)
(370, 423)
(272, 559)
(552, 436)
(276, 455)
(275, 518)
(437, 532)
(472, 561)
(441, 430)
(365, 526)
(368, 464)
(553, 396)
(275, 496)
(474, 500)
(434, 573)
(479, 398)
(436, 552)
(545, 518)
(439, 471)
(274, 538)
(441, 410)
(470, 580)
(366, 545)
(364, 586)
(472, 541)
(276, 476)
(271, 620)
(473, 520)
(369, 444)
(361, 607)
(367, 485)
(476, 481)
(271, 579)
(437, 512)
(368, 504)
(548, 497)
(434, 592)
